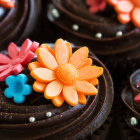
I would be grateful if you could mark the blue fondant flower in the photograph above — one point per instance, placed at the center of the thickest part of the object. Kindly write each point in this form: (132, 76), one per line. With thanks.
(17, 88)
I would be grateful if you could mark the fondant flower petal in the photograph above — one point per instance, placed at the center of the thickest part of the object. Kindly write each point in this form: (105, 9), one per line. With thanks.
(102, 5)
(94, 9)
(27, 89)
(70, 95)
(4, 67)
(43, 74)
(34, 65)
(113, 2)
(61, 51)
(79, 57)
(13, 50)
(82, 99)
(22, 78)
(4, 59)
(58, 100)
(94, 81)
(85, 88)
(89, 72)
(124, 6)
(136, 17)
(8, 93)
(34, 46)
(69, 49)
(45, 46)
(46, 59)
(124, 18)
(17, 69)
(7, 3)
(19, 99)
(10, 80)
(88, 62)
(39, 87)
(53, 89)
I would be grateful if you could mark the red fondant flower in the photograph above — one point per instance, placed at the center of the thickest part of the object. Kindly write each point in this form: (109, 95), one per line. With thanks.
(18, 59)
(128, 10)
(7, 3)
(96, 5)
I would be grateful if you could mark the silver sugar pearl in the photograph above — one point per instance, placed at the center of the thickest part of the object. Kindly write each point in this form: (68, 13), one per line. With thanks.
(32, 119)
(98, 35)
(55, 13)
(119, 33)
(48, 114)
(75, 27)
(133, 121)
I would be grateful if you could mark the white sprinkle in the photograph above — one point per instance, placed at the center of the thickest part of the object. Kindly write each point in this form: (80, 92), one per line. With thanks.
(133, 121)
(55, 13)
(48, 114)
(119, 33)
(98, 35)
(32, 119)
(75, 27)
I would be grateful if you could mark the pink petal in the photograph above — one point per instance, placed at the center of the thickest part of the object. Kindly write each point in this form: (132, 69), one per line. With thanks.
(12, 50)
(4, 67)
(5, 74)
(4, 59)
(91, 2)
(27, 58)
(25, 47)
(94, 9)
(17, 69)
(34, 46)
(102, 6)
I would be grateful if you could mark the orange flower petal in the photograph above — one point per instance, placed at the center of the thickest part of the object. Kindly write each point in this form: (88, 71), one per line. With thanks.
(53, 89)
(79, 57)
(124, 18)
(58, 100)
(39, 87)
(46, 58)
(82, 99)
(88, 62)
(45, 46)
(34, 65)
(89, 72)
(69, 49)
(61, 51)
(85, 88)
(136, 17)
(43, 74)
(124, 6)
(70, 95)
(94, 81)
(113, 2)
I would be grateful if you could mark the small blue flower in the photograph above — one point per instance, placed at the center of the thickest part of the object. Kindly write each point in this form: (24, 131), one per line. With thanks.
(17, 88)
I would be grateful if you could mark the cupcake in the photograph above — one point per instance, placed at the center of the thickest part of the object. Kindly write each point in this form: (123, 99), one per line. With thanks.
(60, 95)
(18, 20)
(131, 99)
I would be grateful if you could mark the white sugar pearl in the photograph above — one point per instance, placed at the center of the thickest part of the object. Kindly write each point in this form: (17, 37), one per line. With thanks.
(119, 33)
(55, 13)
(98, 35)
(48, 114)
(75, 27)
(133, 121)
(32, 119)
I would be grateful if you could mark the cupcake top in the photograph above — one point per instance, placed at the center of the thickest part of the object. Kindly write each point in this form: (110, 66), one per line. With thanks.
(96, 22)
(131, 99)
(77, 89)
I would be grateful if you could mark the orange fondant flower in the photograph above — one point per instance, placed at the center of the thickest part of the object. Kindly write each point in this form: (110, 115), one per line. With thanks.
(128, 10)
(7, 3)
(62, 75)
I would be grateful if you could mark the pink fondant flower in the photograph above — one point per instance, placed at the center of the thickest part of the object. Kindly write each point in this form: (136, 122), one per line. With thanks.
(96, 5)
(17, 59)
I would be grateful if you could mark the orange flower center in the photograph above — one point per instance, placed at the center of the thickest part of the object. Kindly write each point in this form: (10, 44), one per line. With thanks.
(67, 74)
(136, 2)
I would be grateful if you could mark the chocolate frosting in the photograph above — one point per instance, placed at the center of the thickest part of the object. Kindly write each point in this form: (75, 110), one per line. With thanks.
(128, 94)
(66, 122)
(18, 22)
(76, 12)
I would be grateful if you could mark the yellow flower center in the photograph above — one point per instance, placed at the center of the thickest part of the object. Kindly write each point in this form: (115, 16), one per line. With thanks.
(136, 2)
(67, 74)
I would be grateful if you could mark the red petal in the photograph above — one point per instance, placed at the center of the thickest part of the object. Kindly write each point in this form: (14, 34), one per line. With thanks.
(5, 74)
(4, 67)
(34, 46)
(17, 69)
(12, 50)
(91, 2)
(137, 98)
(25, 47)
(94, 9)
(28, 57)
(4, 59)
(102, 5)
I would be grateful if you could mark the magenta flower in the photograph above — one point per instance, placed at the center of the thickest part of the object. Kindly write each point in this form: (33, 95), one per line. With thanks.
(96, 5)
(17, 59)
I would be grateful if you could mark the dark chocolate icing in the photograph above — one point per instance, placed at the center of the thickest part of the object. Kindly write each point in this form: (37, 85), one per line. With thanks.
(18, 22)
(67, 122)
(128, 94)
(76, 12)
